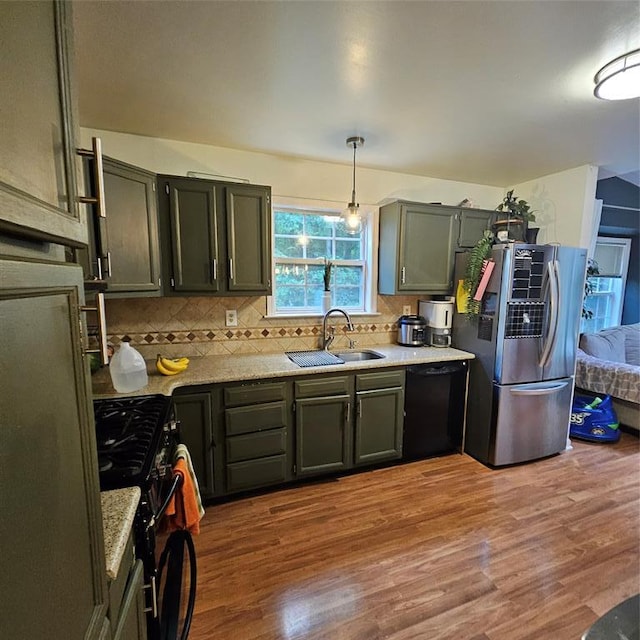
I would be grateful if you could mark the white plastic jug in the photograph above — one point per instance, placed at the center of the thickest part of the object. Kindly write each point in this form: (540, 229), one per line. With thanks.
(128, 369)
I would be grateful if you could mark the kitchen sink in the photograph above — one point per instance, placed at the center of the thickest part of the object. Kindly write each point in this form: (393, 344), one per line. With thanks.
(359, 355)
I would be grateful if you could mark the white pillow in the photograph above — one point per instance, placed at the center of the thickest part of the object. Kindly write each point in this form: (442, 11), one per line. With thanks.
(609, 346)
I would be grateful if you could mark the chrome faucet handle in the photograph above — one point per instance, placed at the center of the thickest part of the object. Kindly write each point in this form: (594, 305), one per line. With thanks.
(352, 343)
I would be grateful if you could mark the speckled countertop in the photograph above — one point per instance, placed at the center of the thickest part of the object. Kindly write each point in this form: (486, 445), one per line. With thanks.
(234, 368)
(118, 509)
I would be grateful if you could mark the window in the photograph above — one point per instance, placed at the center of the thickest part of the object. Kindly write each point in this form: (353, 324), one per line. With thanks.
(607, 297)
(302, 241)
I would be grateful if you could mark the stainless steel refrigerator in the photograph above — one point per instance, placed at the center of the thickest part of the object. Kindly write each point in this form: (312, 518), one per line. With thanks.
(525, 341)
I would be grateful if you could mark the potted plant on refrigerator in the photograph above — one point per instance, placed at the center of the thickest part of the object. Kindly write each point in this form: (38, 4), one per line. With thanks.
(512, 219)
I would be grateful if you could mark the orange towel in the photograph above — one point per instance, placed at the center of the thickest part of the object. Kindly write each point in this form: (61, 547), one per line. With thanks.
(183, 510)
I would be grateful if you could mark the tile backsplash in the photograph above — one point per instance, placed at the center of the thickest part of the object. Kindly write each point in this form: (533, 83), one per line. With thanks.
(195, 326)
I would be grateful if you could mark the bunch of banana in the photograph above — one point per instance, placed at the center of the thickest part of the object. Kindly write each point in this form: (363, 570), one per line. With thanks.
(171, 366)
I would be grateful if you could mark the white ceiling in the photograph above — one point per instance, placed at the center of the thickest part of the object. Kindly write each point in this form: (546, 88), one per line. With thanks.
(491, 92)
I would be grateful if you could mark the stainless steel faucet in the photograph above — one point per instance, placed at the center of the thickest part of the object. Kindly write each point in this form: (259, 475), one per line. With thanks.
(328, 338)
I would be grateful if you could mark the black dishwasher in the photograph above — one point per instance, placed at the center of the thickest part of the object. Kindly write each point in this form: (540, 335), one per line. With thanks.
(434, 409)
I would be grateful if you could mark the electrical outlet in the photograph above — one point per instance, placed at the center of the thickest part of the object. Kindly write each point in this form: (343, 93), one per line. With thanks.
(231, 318)
(406, 309)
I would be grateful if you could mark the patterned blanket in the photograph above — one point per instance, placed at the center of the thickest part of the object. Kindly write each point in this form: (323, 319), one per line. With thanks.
(616, 379)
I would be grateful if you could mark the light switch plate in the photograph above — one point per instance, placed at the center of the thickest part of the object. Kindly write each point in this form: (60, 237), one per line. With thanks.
(406, 309)
(231, 318)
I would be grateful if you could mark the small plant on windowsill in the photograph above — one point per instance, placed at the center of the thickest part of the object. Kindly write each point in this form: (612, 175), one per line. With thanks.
(328, 265)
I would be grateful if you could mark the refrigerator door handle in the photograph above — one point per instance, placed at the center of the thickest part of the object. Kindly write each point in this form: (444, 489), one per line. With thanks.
(553, 319)
(539, 391)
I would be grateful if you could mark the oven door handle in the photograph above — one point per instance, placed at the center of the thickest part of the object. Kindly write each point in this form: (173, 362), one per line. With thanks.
(177, 483)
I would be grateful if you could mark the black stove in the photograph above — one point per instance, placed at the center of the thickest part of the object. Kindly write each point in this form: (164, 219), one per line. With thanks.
(129, 434)
(136, 439)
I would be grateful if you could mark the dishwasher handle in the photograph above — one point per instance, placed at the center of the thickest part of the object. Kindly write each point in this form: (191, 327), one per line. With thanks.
(437, 369)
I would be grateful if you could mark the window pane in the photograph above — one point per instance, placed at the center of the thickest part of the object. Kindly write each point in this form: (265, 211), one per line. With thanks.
(348, 249)
(609, 258)
(290, 274)
(342, 231)
(347, 297)
(288, 248)
(315, 274)
(319, 226)
(348, 275)
(319, 249)
(286, 223)
(287, 297)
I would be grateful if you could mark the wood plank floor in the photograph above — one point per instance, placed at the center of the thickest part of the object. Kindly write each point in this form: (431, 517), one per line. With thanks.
(438, 549)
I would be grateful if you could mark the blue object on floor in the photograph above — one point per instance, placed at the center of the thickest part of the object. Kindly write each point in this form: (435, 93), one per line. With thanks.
(594, 419)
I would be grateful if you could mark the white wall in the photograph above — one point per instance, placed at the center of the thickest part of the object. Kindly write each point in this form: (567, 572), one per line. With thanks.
(289, 176)
(564, 205)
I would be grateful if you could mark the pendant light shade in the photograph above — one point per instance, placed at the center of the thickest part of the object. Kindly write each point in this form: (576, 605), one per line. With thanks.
(620, 78)
(351, 215)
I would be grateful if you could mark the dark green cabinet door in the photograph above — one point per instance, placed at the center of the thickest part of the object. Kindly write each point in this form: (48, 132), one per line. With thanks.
(131, 229)
(38, 165)
(323, 431)
(124, 245)
(379, 421)
(425, 261)
(53, 563)
(248, 238)
(195, 261)
(473, 223)
(194, 411)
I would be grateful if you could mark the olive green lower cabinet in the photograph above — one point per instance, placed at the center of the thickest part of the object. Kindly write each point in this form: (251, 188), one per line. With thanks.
(341, 422)
(347, 421)
(379, 416)
(194, 411)
(257, 421)
(126, 598)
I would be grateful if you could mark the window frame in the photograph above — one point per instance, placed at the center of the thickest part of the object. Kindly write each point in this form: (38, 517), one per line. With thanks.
(609, 319)
(370, 216)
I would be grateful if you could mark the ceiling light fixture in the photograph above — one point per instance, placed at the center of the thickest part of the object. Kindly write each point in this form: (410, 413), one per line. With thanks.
(620, 78)
(351, 214)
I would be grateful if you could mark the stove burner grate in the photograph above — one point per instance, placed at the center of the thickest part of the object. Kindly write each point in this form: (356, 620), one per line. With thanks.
(128, 434)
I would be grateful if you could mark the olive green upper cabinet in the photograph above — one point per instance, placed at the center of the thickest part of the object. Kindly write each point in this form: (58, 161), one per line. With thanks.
(473, 223)
(39, 170)
(216, 237)
(248, 218)
(124, 250)
(416, 251)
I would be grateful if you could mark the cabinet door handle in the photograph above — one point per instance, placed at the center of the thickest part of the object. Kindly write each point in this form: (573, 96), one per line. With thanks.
(230, 268)
(214, 269)
(402, 275)
(107, 271)
(98, 175)
(359, 409)
(102, 328)
(348, 413)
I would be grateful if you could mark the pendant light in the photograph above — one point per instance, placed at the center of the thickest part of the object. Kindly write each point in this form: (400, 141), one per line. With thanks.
(351, 214)
(620, 78)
